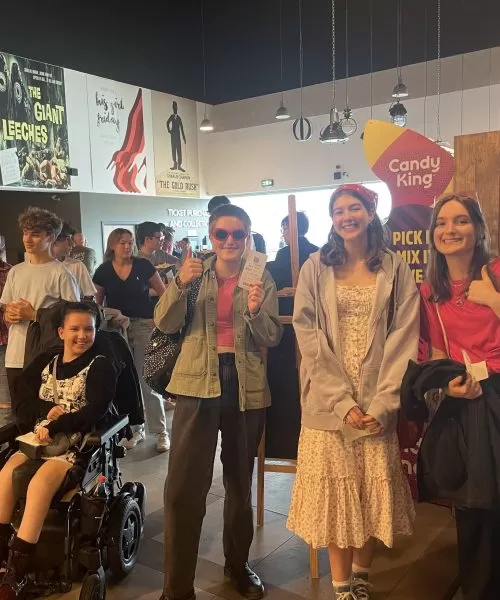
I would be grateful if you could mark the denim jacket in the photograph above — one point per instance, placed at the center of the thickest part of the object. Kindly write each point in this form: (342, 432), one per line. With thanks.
(196, 371)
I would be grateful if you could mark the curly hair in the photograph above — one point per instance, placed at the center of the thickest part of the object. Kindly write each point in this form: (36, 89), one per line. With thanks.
(41, 219)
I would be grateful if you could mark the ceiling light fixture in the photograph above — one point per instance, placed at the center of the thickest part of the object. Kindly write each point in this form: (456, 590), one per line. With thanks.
(347, 123)
(206, 124)
(398, 113)
(302, 128)
(400, 90)
(282, 113)
(439, 141)
(333, 133)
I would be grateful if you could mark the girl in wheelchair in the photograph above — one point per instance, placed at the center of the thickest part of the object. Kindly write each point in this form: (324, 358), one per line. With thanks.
(68, 393)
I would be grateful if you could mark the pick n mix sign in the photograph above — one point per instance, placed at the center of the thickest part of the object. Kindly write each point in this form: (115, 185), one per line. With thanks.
(416, 170)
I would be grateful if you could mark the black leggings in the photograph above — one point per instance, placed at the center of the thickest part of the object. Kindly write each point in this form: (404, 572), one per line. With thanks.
(478, 533)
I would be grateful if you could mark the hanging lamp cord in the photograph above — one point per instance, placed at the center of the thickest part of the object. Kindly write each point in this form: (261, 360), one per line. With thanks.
(203, 56)
(333, 54)
(346, 54)
(438, 132)
(281, 51)
(301, 58)
(371, 59)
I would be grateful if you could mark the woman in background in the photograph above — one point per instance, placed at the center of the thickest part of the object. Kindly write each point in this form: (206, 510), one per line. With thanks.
(123, 282)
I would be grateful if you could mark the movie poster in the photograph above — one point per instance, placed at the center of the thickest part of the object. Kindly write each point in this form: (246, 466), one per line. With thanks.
(34, 150)
(175, 140)
(117, 142)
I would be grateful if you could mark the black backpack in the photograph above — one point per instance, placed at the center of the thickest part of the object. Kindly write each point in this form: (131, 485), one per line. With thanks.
(164, 348)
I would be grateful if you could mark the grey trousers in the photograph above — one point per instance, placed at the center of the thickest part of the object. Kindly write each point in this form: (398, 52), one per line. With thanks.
(138, 333)
(195, 431)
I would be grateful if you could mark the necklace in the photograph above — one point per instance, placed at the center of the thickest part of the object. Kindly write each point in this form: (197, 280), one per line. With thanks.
(460, 290)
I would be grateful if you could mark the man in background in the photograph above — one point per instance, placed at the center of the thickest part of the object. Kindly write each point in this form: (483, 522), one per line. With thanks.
(283, 257)
(258, 241)
(82, 253)
(38, 282)
(167, 244)
(61, 250)
(4, 332)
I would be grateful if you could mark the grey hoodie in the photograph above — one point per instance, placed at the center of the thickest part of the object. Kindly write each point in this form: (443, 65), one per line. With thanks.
(326, 391)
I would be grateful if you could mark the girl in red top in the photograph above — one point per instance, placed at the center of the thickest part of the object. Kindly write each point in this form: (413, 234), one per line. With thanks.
(462, 307)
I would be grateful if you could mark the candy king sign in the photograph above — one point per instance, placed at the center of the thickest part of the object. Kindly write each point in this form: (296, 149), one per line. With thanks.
(416, 171)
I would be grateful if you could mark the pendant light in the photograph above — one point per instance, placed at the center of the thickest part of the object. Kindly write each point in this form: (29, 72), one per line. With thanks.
(282, 113)
(347, 123)
(302, 128)
(206, 125)
(333, 132)
(400, 90)
(439, 141)
(397, 110)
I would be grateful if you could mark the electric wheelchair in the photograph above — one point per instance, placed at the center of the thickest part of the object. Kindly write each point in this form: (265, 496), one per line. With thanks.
(85, 534)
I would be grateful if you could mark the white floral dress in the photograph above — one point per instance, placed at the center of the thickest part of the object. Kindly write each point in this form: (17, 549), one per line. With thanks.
(347, 492)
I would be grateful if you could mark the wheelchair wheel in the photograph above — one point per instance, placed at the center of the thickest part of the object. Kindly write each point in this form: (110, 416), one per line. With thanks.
(93, 587)
(124, 536)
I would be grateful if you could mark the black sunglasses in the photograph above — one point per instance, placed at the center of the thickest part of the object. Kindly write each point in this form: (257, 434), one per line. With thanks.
(238, 235)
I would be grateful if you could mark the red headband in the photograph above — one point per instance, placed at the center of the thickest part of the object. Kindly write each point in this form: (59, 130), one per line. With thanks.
(369, 196)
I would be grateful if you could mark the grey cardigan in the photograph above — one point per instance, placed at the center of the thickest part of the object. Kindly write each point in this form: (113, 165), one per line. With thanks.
(326, 391)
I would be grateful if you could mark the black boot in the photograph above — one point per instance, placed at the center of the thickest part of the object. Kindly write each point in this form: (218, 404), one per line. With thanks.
(245, 581)
(13, 585)
(5, 535)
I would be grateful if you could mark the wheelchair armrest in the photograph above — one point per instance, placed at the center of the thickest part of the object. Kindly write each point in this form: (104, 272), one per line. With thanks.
(100, 437)
(8, 433)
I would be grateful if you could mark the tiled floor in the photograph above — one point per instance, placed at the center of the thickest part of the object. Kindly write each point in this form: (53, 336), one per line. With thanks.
(408, 572)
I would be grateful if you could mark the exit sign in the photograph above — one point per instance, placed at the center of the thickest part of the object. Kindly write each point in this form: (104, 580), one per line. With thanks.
(267, 183)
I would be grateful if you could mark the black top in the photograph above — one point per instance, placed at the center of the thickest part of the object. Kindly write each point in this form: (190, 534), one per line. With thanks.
(99, 392)
(131, 296)
(283, 257)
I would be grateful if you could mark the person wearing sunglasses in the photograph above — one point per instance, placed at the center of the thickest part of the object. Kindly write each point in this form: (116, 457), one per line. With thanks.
(220, 383)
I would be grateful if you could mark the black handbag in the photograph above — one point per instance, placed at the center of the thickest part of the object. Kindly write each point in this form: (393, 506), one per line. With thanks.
(164, 348)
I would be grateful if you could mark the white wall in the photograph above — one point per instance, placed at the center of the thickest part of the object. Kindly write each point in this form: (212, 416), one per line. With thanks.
(235, 161)
(130, 209)
(75, 85)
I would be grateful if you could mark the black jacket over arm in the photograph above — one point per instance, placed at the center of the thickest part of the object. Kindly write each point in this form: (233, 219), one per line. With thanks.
(459, 458)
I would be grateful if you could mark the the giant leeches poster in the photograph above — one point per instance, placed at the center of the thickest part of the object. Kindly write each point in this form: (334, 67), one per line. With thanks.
(34, 150)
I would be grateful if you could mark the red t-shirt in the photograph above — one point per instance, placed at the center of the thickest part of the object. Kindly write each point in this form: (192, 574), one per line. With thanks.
(470, 327)
(225, 320)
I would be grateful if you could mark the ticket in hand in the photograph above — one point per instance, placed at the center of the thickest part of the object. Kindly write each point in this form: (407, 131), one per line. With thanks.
(478, 371)
(253, 269)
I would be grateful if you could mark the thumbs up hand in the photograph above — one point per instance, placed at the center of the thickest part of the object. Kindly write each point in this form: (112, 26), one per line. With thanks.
(482, 291)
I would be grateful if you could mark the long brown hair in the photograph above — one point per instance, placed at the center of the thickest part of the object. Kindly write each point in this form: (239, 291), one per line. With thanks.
(113, 238)
(333, 253)
(437, 269)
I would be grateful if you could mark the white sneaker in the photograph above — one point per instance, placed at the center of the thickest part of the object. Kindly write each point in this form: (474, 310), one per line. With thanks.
(139, 435)
(163, 442)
